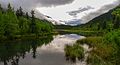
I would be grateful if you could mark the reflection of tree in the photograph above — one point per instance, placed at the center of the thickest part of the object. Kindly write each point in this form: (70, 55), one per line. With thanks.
(11, 52)
(5, 62)
(34, 47)
(15, 60)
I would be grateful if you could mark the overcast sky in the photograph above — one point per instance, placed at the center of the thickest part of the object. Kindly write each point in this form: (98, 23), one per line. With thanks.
(66, 10)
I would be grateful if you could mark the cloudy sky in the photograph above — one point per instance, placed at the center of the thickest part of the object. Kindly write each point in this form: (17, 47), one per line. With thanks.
(69, 12)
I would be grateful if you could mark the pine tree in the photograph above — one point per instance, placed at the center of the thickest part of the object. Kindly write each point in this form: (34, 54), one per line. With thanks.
(10, 23)
(116, 18)
(1, 10)
(10, 9)
(20, 11)
(33, 22)
(0, 7)
(104, 25)
(116, 23)
(27, 16)
(17, 13)
(32, 13)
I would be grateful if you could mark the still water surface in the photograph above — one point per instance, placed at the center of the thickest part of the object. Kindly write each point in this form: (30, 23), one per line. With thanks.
(44, 51)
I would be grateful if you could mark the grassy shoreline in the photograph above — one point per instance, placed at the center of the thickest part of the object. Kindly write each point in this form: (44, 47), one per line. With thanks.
(25, 37)
(80, 32)
(105, 49)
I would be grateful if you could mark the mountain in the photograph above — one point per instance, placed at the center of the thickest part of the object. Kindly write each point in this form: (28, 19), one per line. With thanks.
(107, 18)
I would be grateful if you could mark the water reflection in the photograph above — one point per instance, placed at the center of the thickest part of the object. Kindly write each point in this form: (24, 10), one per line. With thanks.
(11, 52)
(59, 42)
(44, 51)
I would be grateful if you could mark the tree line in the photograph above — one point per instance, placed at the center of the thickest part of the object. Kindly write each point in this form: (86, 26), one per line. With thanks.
(108, 21)
(17, 23)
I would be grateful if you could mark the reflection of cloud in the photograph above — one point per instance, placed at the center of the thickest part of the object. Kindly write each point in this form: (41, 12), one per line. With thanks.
(57, 45)
(44, 58)
(75, 12)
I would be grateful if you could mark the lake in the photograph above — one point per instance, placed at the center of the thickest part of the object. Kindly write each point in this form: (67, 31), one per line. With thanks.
(44, 51)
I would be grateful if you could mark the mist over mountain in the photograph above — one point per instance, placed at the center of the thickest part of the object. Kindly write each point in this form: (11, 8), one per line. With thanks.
(66, 12)
(75, 12)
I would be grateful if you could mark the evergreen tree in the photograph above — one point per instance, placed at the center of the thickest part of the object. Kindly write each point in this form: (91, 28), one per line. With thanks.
(10, 9)
(20, 11)
(23, 25)
(104, 25)
(33, 22)
(98, 26)
(32, 13)
(116, 23)
(0, 7)
(10, 23)
(0, 10)
(17, 13)
(14, 23)
(27, 16)
(116, 18)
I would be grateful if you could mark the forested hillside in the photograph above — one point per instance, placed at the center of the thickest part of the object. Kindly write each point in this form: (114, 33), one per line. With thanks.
(104, 21)
(106, 47)
(18, 23)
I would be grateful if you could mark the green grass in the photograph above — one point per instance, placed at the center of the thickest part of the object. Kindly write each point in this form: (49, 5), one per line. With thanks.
(91, 41)
(105, 49)
(74, 52)
(80, 32)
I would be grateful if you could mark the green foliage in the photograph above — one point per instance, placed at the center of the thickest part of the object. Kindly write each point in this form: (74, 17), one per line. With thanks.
(105, 48)
(9, 24)
(17, 23)
(24, 25)
(0, 8)
(113, 38)
(73, 52)
(116, 18)
(33, 22)
(11, 51)
(102, 53)
(91, 41)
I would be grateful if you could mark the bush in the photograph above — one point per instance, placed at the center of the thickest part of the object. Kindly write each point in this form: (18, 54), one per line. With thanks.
(74, 52)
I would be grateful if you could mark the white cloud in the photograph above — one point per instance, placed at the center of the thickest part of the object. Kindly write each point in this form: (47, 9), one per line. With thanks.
(61, 12)
(58, 9)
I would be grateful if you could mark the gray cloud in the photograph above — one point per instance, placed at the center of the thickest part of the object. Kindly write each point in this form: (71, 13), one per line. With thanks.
(74, 22)
(33, 3)
(48, 3)
(89, 16)
(28, 5)
(75, 12)
(99, 11)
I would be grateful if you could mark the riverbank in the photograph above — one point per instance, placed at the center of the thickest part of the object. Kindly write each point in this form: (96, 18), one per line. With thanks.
(37, 51)
(105, 49)
(80, 32)
(25, 37)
